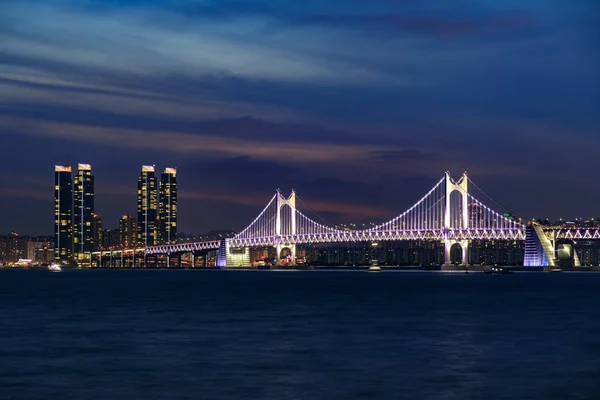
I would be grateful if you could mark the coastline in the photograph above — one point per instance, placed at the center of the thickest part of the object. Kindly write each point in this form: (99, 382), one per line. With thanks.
(435, 269)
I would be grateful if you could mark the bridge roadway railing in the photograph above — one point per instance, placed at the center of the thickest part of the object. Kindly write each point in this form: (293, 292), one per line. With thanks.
(381, 235)
(375, 235)
(183, 247)
(118, 251)
(487, 234)
(555, 232)
(572, 233)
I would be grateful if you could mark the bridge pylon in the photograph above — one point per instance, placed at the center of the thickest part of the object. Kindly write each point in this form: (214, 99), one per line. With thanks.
(280, 226)
(459, 222)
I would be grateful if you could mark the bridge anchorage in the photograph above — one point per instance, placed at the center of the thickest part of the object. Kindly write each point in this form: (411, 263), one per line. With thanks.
(447, 213)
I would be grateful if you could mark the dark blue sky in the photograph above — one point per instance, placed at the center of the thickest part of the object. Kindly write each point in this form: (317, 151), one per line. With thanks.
(359, 105)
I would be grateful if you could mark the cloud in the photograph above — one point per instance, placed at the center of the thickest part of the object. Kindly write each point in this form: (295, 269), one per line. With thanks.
(129, 40)
(298, 151)
(430, 23)
(363, 106)
(410, 154)
(24, 193)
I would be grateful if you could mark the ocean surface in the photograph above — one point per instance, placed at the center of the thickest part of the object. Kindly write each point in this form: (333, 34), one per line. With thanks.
(106, 334)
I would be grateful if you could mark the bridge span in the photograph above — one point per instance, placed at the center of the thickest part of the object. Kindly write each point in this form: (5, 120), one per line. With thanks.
(448, 213)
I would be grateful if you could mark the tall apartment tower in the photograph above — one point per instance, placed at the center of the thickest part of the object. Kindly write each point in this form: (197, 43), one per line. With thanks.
(146, 207)
(96, 233)
(167, 206)
(128, 232)
(63, 213)
(83, 216)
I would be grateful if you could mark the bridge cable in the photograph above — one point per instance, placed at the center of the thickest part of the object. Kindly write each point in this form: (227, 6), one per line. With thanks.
(469, 195)
(327, 222)
(495, 201)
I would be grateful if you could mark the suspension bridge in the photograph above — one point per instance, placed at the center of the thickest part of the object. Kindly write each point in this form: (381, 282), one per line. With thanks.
(448, 213)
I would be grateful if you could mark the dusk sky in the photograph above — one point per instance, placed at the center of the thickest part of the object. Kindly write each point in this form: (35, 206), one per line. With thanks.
(359, 105)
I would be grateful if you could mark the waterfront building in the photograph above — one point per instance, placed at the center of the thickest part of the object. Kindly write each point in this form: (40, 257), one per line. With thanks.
(40, 250)
(96, 232)
(63, 213)
(128, 232)
(111, 239)
(146, 207)
(167, 206)
(16, 247)
(83, 212)
(3, 244)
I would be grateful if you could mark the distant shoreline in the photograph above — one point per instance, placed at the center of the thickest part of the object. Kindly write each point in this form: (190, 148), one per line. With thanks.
(470, 269)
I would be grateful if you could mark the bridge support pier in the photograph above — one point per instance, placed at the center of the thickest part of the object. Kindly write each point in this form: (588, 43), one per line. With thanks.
(293, 254)
(464, 244)
(280, 247)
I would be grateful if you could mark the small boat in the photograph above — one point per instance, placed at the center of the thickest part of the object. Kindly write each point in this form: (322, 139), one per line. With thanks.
(498, 271)
(374, 268)
(54, 268)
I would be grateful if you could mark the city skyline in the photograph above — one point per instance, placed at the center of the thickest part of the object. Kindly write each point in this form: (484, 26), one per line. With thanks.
(311, 199)
(357, 106)
(79, 231)
(159, 232)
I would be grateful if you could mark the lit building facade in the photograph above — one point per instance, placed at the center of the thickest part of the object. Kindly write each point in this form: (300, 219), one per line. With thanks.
(83, 212)
(146, 207)
(128, 232)
(16, 247)
(63, 213)
(40, 250)
(3, 247)
(110, 239)
(167, 206)
(96, 232)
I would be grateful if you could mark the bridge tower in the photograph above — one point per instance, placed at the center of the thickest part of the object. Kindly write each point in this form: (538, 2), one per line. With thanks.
(462, 186)
(283, 228)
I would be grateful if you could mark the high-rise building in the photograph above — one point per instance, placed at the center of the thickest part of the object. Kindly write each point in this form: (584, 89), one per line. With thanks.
(40, 250)
(167, 206)
(16, 247)
(146, 207)
(83, 205)
(96, 232)
(128, 232)
(3, 248)
(110, 239)
(63, 213)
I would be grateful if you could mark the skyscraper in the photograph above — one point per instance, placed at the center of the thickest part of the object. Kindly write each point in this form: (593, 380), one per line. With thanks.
(127, 229)
(167, 206)
(110, 239)
(146, 207)
(63, 213)
(96, 232)
(16, 248)
(83, 217)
